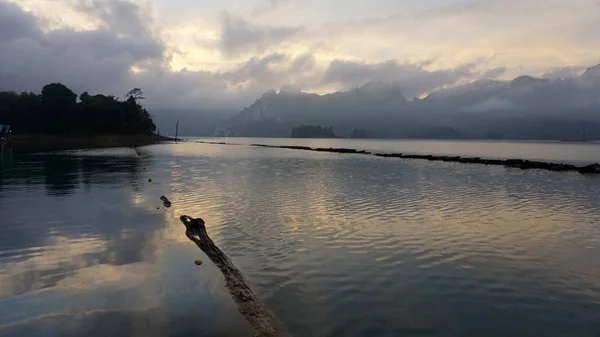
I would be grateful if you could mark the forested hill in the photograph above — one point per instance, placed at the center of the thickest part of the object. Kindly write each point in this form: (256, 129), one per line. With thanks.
(58, 111)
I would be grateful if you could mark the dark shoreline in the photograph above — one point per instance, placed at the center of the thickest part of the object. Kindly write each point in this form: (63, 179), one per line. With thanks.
(40, 143)
(514, 163)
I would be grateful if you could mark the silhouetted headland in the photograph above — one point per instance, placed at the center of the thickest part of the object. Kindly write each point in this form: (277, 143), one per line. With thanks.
(59, 119)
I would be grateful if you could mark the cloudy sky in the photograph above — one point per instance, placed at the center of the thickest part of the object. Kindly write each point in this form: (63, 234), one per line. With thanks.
(210, 54)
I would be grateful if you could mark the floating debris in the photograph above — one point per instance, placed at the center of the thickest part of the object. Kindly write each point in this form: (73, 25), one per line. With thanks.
(149, 180)
(165, 201)
(198, 262)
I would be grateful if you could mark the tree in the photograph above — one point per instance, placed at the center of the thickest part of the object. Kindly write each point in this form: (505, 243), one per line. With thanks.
(136, 94)
(56, 111)
(58, 105)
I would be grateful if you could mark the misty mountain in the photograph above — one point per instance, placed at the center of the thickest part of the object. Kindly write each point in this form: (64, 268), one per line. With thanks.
(523, 108)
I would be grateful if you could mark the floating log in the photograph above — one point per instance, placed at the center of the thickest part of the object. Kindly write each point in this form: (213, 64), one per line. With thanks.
(265, 324)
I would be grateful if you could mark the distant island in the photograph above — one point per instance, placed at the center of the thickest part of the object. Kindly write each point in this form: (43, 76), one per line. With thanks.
(57, 118)
(312, 131)
(359, 133)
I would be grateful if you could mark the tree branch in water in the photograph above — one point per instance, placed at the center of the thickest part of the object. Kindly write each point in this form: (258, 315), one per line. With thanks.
(265, 324)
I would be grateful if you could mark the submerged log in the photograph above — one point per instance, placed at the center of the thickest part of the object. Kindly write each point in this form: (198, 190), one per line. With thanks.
(590, 169)
(389, 155)
(339, 150)
(265, 324)
(511, 163)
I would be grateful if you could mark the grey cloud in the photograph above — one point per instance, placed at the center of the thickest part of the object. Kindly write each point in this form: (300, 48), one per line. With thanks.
(14, 25)
(494, 73)
(304, 62)
(238, 35)
(269, 5)
(274, 70)
(563, 72)
(85, 60)
(102, 44)
(256, 68)
(120, 16)
(413, 79)
(183, 90)
(226, 90)
(72, 58)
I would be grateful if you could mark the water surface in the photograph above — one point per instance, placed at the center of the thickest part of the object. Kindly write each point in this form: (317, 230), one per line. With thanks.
(336, 244)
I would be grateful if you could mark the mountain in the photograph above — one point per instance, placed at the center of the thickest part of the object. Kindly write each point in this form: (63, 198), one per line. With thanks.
(523, 108)
(275, 114)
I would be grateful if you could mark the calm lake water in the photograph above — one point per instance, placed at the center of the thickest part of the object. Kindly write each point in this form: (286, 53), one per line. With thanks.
(336, 244)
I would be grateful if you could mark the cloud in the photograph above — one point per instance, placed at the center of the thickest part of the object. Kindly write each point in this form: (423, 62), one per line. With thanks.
(413, 79)
(120, 46)
(239, 36)
(563, 72)
(119, 16)
(14, 25)
(120, 55)
(493, 73)
(258, 69)
(185, 89)
(269, 5)
(85, 60)
(102, 61)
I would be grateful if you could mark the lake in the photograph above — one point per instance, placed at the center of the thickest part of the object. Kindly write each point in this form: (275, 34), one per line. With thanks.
(335, 244)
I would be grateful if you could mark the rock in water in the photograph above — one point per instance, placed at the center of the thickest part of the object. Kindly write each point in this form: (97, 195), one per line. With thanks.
(149, 180)
(165, 201)
(198, 262)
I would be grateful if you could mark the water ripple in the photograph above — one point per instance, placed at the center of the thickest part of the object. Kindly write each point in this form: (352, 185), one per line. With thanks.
(337, 245)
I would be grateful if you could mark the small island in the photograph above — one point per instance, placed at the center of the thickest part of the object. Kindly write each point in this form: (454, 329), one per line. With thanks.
(359, 133)
(312, 131)
(59, 119)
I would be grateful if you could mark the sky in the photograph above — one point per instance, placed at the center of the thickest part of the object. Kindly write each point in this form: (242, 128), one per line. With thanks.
(223, 54)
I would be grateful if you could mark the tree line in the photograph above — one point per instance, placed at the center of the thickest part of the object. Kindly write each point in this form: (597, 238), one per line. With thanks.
(57, 110)
(313, 131)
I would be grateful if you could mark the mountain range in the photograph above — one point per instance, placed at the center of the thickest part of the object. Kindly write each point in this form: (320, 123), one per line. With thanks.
(523, 108)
